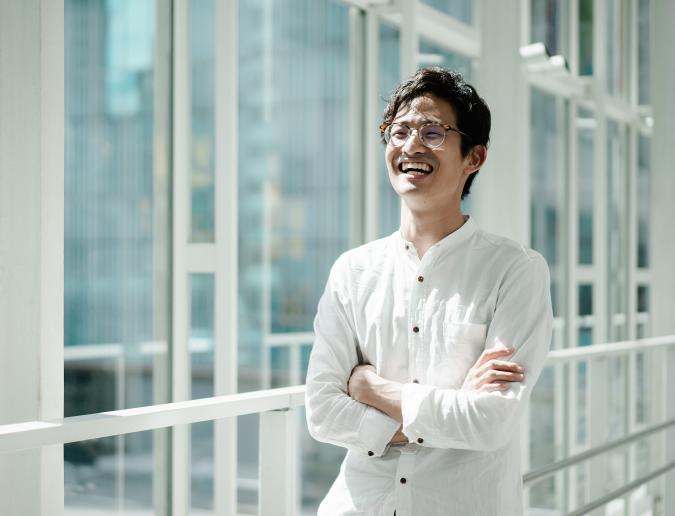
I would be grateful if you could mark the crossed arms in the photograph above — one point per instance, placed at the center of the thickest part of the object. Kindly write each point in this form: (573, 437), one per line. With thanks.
(351, 406)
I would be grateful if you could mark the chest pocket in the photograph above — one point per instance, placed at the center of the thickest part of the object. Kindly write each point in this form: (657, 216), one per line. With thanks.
(461, 346)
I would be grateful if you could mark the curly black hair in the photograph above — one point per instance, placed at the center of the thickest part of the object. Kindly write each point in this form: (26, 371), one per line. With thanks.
(473, 114)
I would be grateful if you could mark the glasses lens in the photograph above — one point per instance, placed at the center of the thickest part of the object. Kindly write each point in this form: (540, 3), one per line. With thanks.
(398, 134)
(432, 135)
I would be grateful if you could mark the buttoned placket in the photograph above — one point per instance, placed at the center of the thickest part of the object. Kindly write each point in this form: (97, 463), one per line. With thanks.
(404, 481)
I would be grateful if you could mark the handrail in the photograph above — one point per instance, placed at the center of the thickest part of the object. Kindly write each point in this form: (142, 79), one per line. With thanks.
(630, 486)
(548, 470)
(559, 356)
(34, 434)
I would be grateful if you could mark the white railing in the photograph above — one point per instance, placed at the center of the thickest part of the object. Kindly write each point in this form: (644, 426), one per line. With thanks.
(278, 470)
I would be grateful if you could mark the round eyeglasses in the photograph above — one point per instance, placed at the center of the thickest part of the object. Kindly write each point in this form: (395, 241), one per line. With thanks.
(431, 135)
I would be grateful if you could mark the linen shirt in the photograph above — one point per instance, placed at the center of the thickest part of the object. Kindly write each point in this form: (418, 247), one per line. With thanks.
(424, 323)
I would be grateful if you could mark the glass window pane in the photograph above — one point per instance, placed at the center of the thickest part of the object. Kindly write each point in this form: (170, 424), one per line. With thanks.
(585, 37)
(642, 298)
(585, 299)
(460, 9)
(586, 194)
(389, 76)
(116, 270)
(112, 475)
(617, 162)
(643, 200)
(202, 142)
(547, 18)
(293, 191)
(548, 162)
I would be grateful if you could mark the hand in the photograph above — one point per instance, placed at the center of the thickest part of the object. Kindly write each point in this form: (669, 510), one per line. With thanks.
(492, 373)
(358, 384)
(399, 438)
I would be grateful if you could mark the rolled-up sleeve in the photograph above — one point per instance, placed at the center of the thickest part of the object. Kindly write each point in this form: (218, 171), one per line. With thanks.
(465, 419)
(332, 415)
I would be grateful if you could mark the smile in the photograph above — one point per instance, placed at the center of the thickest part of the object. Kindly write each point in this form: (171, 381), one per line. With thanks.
(415, 168)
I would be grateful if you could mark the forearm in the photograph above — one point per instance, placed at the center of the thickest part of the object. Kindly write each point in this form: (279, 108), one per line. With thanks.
(384, 395)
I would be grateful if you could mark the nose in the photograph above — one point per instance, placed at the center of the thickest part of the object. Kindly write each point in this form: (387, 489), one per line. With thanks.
(413, 143)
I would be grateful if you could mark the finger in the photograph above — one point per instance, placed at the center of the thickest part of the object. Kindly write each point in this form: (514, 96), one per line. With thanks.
(493, 376)
(500, 365)
(493, 353)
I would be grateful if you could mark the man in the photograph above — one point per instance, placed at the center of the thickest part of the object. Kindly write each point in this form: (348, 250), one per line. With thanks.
(409, 369)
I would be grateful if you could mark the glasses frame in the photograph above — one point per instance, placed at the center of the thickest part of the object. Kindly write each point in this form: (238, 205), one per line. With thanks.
(385, 131)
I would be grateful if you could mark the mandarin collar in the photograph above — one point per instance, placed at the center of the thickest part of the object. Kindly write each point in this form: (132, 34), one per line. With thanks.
(450, 241)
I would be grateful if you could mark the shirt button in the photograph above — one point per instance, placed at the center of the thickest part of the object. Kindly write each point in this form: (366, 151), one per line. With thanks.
(403, 480)
(416, 380)
(370, 453)
(420, 278)
(420, 440)
(416, 329)
(407, 247)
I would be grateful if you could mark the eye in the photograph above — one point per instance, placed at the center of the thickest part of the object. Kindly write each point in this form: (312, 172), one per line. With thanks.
(399, 131)
(433, 134)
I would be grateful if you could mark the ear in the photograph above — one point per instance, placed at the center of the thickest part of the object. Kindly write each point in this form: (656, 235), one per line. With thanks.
(475, 159)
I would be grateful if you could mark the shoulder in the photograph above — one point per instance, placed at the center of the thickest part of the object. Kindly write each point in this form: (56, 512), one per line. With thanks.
(367, 257)
(509, 261)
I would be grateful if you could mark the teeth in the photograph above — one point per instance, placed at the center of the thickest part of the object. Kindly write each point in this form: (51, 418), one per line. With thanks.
(420, 166)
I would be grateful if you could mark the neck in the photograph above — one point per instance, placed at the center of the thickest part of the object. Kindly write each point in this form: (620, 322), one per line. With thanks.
(424, 229)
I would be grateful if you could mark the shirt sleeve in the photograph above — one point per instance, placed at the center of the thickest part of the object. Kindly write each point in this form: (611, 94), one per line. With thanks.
(464, 419)
(332, 415)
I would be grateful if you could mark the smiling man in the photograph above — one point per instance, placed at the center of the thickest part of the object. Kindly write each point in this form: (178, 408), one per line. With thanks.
(429, 341)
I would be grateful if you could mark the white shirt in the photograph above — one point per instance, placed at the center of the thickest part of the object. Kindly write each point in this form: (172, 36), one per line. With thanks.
(424, 323)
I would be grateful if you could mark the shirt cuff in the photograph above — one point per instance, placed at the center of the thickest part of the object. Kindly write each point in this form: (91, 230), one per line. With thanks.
(412, 397)
(376, 430)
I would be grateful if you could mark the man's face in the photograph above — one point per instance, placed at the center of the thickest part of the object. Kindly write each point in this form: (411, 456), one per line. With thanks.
(445, 171)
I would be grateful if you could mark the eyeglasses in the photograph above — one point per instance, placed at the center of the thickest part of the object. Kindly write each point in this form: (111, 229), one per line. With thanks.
(431, 135)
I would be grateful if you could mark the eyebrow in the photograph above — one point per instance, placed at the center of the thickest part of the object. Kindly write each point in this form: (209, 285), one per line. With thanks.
(425, 121)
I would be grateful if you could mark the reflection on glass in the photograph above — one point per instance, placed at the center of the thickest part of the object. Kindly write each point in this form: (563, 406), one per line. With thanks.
(294, 192)
(548, 161)
(389, 216)
(643, 200)
(585, 37)
(586, 143)
(617, 48)
(460, 9)
(546, 24)
(617, 163)
(116, 258)
(202, 141)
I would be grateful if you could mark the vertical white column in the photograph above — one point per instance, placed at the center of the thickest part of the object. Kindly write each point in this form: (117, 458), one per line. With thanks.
(373, 150)
(180, 354)
(501, 195)
(598, 369)
(226, 230)
(662, 237)
(278, 465)
(31, 246)
(161, 377)
(357, 103)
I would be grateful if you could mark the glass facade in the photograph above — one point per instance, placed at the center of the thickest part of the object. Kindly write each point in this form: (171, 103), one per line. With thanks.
(294, 188)
(116, 273)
